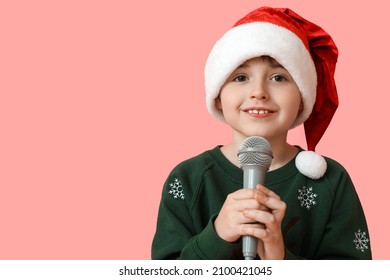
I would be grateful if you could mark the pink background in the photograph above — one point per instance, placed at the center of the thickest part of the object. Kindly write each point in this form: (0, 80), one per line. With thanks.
(99, 100)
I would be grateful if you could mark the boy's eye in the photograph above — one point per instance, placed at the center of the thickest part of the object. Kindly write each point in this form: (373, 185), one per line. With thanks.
(240, 78)
(278, 78)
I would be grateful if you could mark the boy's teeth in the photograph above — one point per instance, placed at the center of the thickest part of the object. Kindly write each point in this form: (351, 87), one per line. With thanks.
(258, 111)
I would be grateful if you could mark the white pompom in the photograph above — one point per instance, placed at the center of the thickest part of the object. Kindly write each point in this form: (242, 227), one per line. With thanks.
(311, 164)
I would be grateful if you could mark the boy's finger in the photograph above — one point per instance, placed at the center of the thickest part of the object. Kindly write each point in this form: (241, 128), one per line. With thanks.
(267, 191)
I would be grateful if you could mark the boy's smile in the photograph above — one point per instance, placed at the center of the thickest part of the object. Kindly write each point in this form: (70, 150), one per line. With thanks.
(260, 98)
(258, 112)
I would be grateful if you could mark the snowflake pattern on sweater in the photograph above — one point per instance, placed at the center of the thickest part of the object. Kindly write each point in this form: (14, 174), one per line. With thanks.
(361, 240)
(176, 189)
(306, 197)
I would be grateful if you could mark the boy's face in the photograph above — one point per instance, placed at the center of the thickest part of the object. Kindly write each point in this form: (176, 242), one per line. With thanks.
(260, 98)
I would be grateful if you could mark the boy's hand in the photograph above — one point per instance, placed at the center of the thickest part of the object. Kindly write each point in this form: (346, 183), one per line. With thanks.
(232, 219)
(271, 244)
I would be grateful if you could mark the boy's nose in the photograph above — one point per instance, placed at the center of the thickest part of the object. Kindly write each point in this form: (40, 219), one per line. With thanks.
(259, 91)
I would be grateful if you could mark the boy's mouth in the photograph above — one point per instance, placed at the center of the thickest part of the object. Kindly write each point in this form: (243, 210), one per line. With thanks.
(258, 111)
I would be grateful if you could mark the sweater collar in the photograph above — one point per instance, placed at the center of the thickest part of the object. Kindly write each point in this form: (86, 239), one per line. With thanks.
(236, 174)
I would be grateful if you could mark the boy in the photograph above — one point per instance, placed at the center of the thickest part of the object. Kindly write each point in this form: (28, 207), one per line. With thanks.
(271, 72)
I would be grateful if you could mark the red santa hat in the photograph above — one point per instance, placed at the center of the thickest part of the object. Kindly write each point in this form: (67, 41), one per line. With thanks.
(304, 49)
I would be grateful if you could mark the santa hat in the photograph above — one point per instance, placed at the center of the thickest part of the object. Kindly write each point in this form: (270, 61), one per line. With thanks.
(304, 49)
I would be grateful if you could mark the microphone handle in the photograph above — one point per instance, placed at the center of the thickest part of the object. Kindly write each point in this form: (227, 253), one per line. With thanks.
(253, 174)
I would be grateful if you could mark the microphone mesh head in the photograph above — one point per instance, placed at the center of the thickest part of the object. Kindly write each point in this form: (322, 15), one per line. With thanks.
(255, 150)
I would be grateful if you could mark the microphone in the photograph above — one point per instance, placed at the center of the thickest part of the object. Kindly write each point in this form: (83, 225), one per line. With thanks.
(255, 156)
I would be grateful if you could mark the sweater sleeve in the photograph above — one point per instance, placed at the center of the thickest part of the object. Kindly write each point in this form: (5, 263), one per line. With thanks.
(346, 234)
(207, 245)
(176, 235)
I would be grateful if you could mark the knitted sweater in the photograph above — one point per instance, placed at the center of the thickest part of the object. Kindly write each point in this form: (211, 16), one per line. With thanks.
(324, 218)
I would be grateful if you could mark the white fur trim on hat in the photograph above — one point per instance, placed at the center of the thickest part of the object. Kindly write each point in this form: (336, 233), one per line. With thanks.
(311, 164)
(255, 39)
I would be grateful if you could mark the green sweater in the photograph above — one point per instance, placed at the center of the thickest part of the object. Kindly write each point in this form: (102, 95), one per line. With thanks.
(324, 217)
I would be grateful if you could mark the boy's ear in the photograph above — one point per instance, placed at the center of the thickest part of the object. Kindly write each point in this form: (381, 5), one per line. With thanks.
(218, 103)
(300, 108)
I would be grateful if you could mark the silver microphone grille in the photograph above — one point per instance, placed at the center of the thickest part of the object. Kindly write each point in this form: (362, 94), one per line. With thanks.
(255, 150)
